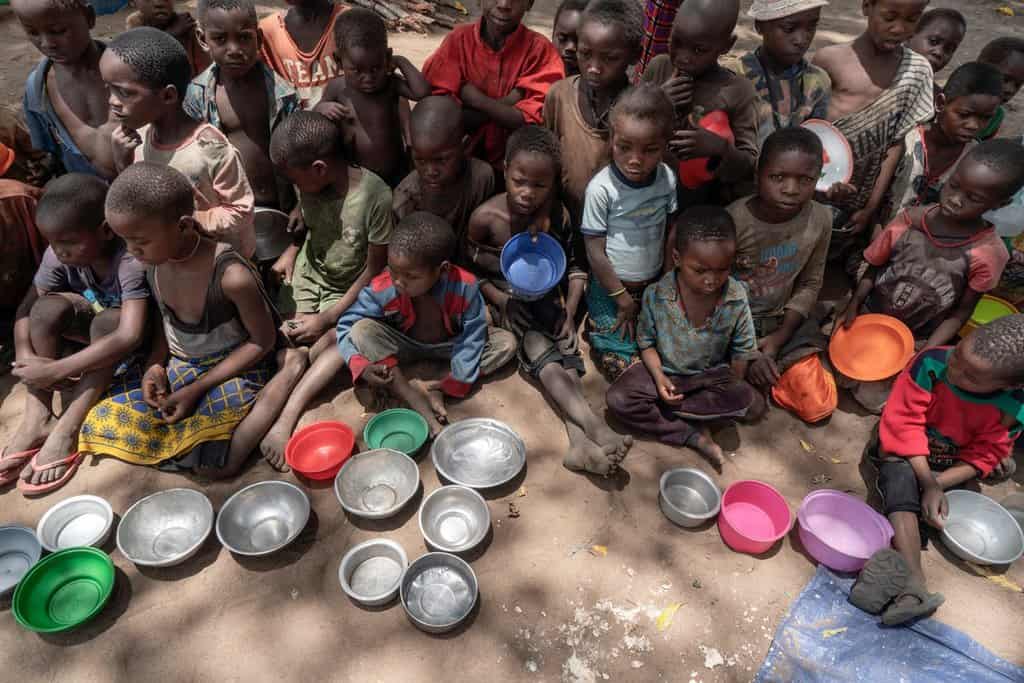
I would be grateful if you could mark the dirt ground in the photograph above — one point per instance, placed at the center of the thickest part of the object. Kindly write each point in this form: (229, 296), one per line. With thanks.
(553, 605)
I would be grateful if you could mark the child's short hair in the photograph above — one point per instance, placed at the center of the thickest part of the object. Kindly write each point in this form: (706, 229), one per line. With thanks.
(423, 237)
(1001, 343)
(436, 118)
(156, 57)
(625, 13)
(203, 8)
(939, 14)
(67, 4)
(722, 15)
(999, 50)
(647, 102)
(360, 27)
(704, 223)
(148, 189)
(72, 202)
(974, 78)
(304, 137)
(535, 140)
(570, 6)
(792, 139)
(1004, 156)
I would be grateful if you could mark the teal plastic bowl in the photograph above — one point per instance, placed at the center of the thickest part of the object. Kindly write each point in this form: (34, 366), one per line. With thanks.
(64, 590)
(399, 429)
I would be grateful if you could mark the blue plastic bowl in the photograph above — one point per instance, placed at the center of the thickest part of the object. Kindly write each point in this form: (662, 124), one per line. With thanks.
(532, 268)
(108, 6)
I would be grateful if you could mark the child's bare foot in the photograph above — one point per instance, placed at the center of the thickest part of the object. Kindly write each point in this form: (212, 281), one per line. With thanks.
(32, 433)
(272, 447)
(292, 363)
(586, 456)
(706, 446)
(615, 445)
(418, 397)
(58, 446)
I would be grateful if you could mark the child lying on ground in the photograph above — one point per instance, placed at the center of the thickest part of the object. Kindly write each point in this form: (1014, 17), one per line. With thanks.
(1007, 55)
(422, 307)
(696, 336)
(88, 290)
(209, 391)
(298, 44)
(161, 14)
(938, 36)
(565, 33)
(953, 416)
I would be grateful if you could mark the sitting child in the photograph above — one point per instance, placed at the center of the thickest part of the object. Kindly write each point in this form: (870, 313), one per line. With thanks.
(22, 244)
(209, 392)
(88, 290)
(1007, 55)
(952, 418)
(365, 99)
(627, 206)
(789, 89)
(422, 307)
(546, 329)
(782, 238)
(565, 33)
(148, 74)
(298, 44)
(696, 336)
(161, 14)
(500, 71)
(938, 36)
(576, 108)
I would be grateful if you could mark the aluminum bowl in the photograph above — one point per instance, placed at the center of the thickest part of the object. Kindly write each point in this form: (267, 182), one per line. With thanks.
(688, 497)
(272, 236)
(262, 518)
(19, 551)
(480, 453)
(371, 572)
(376, 484)
(76, 521)
(438, 592)
(980, 530)
(454, 519)
(1014, 504)
(166, 528)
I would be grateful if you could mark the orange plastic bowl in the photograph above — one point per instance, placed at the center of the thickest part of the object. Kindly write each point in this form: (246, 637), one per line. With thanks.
(319, 450)
(874, 348)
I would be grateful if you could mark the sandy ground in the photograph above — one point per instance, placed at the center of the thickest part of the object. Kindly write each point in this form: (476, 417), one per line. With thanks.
(552, 607)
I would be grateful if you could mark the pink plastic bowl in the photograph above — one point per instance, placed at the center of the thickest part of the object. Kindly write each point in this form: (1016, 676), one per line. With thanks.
(754, 517)
(840, 531)
(319, 450)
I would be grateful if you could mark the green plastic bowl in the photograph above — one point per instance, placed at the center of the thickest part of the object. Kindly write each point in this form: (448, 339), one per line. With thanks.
(64, 590)
(399, 429)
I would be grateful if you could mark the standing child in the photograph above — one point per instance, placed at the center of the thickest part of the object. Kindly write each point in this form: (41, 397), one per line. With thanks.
(696, 337)
(939, 34)
(161, 14)
(365, 100)
(627, 206)
(1007, 55)
(500, 70)
(565, 33)
(298, 44)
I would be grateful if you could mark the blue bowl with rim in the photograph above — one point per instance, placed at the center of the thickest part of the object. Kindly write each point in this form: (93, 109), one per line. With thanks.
(532, 265)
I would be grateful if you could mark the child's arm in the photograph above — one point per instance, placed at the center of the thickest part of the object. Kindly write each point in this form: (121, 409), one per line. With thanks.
(333, 104)
(232, 219)
(605, 273)
(860, 295)
(23, 349)
(934, 506)
(647, 340)
(861, 220)
(366, 305)
(478, 237)
(467, 347)
(155, 387)
(412, 85)
(948, 328)
(501, 111)
(959, 473)
(743, 345)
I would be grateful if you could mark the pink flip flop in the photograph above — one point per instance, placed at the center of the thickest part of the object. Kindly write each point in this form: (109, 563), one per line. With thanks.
(19, 459)
(71, 462)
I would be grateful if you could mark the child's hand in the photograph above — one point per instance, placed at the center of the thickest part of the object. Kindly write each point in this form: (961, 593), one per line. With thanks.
(284, 266)
(180, 404)
(38, 373)
(515, 315)
(840, 192)
(1004, 470)
(435, 398)
(1017, 256)
(763, 372)
(336, 111)
(567, 334)
(124, 141)
(858, 222)
(679, 89)
(305, 328)
(934, 506)
(155, 387)
(377, 376)
(847, 317)
(625, 319)
(296, 223)
(695, 144)
(667, 391)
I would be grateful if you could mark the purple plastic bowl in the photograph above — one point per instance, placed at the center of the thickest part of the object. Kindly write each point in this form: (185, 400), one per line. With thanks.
(840, 531)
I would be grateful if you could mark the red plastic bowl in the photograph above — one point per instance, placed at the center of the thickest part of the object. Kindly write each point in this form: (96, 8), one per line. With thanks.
(319, 450)
(754, 517)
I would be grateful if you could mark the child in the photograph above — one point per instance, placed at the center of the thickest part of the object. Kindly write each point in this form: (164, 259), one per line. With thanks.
(365, 100)
(241, 96)
(500, 71)
(207, 395)
(627, 206)
(782, 238)
(696, 337)
(576, 108)
(65, 99)
(88, 290)
(148, 73)
(564, 33)
(22, 245)
(789, 89)
(952, 418)
(1007, 55)
(160, 14)
(298, 44)
(938, 36)
(880, 91)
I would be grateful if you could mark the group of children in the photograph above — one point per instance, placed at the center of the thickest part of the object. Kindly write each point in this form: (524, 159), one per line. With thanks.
(686, 204)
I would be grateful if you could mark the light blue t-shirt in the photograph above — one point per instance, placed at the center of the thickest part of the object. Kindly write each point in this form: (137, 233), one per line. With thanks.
(632, 220)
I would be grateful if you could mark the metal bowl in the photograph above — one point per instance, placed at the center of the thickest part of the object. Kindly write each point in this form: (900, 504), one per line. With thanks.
(272, 236)
(76, 521)
(166, 528)
(376, 484)
(480, 453)
(262, 518)
(980, 530)
(19, 550)
(438, 592)
(1014, 504)
(688, 497)
(454, 519)
(371, 572)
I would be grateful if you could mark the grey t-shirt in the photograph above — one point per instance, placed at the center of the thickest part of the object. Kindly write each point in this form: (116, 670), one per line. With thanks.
(127, 279)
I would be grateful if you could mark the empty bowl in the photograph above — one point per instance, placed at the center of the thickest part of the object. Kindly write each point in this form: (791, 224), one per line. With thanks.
(840, 531)
(988, 308)
(438, 592)
(980, 530)
(1014, 504)
(64, 590)
(371, 572)
(19, 550)
(837, 156)
(376, 484)
(262, 518)
(454, 519)
(272, 236)
(399, 429)
(319, 450)
(74, 522)
(166, 528)
(754, 517)
(479, 452)
(688, 497)
(532, 265)
(874, 347)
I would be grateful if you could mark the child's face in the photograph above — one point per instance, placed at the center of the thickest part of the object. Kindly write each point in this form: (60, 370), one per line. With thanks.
(155, 13)
(233, 40)
(637, 147)
(62, 34)
(529, 181)
(311, 180)
(133, 104)
(1013, 75)
(76, 246)
(964, 117)
(938, 41)
(150, 239)
(970, 372)
(604, 55)
(411, 277)
(786, 181)
(892, 22)
(366, 68)
(438, 161)
(694, 48)
(564, 36)
(704, 267)
(786, 40)
(973, 189)
(503, 17)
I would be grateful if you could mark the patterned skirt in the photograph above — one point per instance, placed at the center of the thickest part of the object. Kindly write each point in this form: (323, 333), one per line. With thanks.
(614, 353)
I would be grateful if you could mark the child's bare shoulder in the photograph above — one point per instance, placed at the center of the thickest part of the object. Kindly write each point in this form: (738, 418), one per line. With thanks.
(832, 56)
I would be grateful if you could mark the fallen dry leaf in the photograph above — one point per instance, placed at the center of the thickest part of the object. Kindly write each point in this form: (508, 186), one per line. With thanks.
(664, 620)
(997, 579)
(829, 632)
(1005, 11)
(836, 461)
(601, 550)
(521, 493)
(807, 446)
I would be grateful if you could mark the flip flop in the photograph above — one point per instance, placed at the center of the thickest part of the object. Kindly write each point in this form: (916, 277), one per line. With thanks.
(19, 459)
(926, 604)
(884, 578)
(71, 462)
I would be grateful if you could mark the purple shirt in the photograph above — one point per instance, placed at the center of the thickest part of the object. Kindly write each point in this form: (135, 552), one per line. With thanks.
(127, 279)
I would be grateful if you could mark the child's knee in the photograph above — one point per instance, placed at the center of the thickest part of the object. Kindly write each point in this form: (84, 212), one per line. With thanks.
(51, 315)
(618, 399)
(535, 346)
(365, 334)
(104, 323)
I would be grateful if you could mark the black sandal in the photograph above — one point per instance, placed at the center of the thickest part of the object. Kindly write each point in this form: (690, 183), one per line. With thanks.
(926, 604)
(883, 579)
